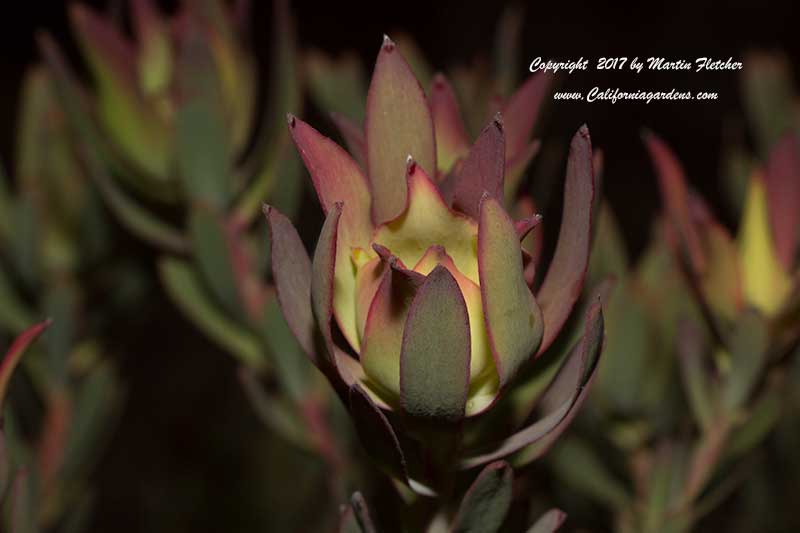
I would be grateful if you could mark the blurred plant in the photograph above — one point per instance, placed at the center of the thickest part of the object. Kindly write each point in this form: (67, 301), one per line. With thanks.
(14, 477)
(170, 131)
(424, 355)
(728, 310)
(53, 234)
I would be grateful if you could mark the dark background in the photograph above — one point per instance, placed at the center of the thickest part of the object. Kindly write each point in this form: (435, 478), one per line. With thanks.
(188, 438)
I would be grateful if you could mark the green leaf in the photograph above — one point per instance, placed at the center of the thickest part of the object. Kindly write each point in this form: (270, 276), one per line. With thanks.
(275, 412)
(696, 382)
(398, 124)
(562, 285)
(513, 318)
(481, 172)
(763, 418)
(187, 291)
(337, 85)
(292, 366)
(98, 400)
(202, 149)
(578, 466)
(210, 244)
(435, 353)
(486, 503)
(749, 345)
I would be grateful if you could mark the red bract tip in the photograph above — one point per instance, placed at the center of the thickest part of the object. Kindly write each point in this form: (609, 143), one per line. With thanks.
(411, 165)
(439, 82)
(498, 120)
(290, 119)
(388, 44)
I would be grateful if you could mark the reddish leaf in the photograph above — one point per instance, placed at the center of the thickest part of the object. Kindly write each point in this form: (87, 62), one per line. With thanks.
(513, 318)
(398, 124)
(675, 192)
(563, 398)
(522, 111)
(564, 280)
(337, 178)
(14, 354)
(322, 277)
(353, 135)
(482, 171)
(452, 142)
(782, 181)
(291, 270)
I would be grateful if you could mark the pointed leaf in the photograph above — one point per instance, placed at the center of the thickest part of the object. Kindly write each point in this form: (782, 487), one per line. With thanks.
(769, 98)
(291, 270)
(353, 135)
(14, 354)
(361, 510)
(435, 355)
(487, 502)
(564, 280)
(482, 171)
(376, 434)
(696, 382)
(186, 289)
(549, 522)
(348, 523)
(452, 142)
(427, 221)
(213, 256)
(385, 323)
(337, 84)
(513, 319)
(564, 396)
(155, 62)
(764, 282)
(201, 137)
(337, 178)
(675, 195)
(749, 347)
(582, 469)
(483, 374)
(522, 111)
(782, 182)
(398, 124)
(516, 167)
(322, 277)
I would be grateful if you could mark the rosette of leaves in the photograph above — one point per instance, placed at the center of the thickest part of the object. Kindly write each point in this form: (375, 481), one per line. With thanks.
(419, 305)
(52, 236)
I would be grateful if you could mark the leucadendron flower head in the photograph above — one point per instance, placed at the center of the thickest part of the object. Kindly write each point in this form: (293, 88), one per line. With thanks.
(419, 287)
